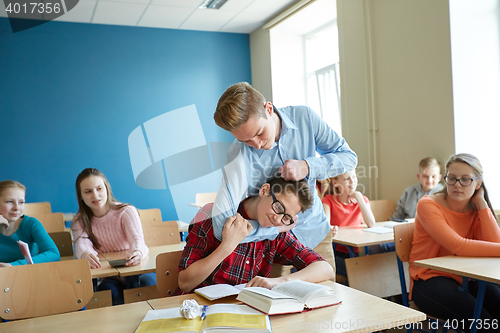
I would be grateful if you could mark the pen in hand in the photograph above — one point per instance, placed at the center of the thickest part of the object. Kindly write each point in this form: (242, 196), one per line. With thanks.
(204, 312)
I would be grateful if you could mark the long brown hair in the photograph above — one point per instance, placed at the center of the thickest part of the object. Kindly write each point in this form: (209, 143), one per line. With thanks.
(476, 166)
(84, 211)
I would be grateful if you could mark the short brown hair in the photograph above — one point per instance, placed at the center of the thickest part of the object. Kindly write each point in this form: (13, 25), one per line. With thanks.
(300, 188)
(429, 162)
(237, 104)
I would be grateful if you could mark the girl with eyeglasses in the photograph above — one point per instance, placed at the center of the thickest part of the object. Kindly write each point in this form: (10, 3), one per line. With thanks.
(459, 220)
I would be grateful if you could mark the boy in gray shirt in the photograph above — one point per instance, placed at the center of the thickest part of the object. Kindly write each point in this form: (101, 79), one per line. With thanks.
(429, 177)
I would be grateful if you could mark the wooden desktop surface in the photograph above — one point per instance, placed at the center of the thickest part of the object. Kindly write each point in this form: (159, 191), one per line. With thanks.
(119, 318)
(355, 236)
(359, 312)
(148, 265)
(105, 270)
(484, 269)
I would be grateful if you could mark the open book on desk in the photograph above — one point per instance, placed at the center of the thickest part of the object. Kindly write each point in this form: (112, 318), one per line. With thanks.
(217, 291)
(387, 228)
(288, 297)
(220, 318)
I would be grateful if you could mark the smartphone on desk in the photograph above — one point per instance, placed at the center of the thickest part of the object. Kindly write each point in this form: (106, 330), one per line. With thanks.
(118, 262)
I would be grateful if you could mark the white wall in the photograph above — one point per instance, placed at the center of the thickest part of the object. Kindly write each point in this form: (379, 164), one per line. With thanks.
(260, 60)
(397, 103)
(287, 68)
(475, 40)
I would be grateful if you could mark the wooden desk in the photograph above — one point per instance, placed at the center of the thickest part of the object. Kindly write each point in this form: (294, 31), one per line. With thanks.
(197, 205)
(485, 270)
(183, 226)
(120, 318)
(148, 265)
(355, 236)
(359, 312)
(105, 270)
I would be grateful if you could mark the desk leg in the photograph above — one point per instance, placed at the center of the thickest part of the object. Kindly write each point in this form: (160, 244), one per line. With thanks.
(465, 283)
(352, 254)
(132, 281)
(479, 304)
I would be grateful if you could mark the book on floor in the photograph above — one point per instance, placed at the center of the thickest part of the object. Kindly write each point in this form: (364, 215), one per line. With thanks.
(217, 291)
(288, 297)
(219, 318)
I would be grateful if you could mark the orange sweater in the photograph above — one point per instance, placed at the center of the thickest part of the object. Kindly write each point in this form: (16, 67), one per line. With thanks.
(441, 232)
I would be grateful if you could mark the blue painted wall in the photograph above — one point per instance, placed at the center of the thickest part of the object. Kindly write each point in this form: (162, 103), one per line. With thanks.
(70, 94)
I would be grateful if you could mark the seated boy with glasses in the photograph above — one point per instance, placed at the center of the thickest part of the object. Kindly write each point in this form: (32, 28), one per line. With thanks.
(207, 261)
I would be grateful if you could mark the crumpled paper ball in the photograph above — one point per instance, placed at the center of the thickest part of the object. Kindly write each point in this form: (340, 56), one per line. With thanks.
(190, 309)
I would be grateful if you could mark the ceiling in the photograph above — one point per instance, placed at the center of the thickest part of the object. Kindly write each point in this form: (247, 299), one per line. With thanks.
(238, 16)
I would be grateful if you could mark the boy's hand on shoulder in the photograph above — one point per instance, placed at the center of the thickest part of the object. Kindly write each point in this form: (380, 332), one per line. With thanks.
(294, 170)
(235, 230)
(259, 281)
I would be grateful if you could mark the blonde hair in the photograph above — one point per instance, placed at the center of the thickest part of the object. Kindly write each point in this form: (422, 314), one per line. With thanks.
(11, 184)
(476, 166)
(429, 162)
(238, 103)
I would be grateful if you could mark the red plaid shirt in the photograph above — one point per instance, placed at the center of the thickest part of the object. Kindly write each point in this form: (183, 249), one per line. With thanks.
(248, 259)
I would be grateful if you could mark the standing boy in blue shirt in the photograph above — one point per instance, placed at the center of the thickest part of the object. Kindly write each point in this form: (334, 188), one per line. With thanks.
(271, 142)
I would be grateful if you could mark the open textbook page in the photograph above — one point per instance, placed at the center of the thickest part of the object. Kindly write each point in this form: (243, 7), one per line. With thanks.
(220, 318)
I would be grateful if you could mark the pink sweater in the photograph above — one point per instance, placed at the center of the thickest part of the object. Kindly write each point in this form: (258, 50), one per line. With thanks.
(118, 230)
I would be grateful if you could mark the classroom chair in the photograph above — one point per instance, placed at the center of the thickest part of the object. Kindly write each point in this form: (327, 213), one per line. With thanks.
(382, 209)
(155, 231)
(100, 299)
(44, 289)
(141, 294)
(167, 272)
(202, 199)
(376, 274)
(403, 237)
(52, 222)
(35, 209)
(63, 242)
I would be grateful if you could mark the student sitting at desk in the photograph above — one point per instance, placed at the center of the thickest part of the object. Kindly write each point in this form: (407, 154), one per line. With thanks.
(206, 260)
(344, 207)
(104, 225)
(429, 179)
(15, 226)
(457, 221)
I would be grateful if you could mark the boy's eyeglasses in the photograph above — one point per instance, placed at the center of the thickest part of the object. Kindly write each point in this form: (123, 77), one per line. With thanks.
(279, 209)
(464, 181)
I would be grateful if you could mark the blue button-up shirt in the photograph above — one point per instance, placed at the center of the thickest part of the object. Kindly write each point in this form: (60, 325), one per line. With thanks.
(303, 133)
